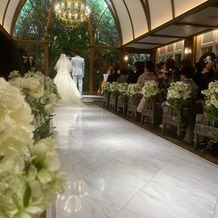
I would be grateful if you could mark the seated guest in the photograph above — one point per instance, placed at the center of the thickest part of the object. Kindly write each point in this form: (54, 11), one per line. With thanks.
(159, 72)
(148, 73)
(186, 76)
(105, 77)
(114, 75)
(137, 71)
(123, 76)
(194, 107)
(159, 69)
(172, 74)
(198, 77)
(208, 64)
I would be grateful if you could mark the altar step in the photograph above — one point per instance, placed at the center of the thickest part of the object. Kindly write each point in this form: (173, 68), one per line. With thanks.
(91, 98)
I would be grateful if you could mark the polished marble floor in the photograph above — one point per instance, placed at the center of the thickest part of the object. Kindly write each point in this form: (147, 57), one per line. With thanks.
(117, 169)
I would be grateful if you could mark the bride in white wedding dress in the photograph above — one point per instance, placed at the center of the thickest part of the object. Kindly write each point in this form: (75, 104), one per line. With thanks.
(65, 84)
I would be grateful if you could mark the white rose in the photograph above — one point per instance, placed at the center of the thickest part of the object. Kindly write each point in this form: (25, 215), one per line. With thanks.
(31, 83)
(37, 92)
(49, 108)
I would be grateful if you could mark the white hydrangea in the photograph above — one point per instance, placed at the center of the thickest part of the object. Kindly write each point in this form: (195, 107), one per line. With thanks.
(122, 87)
(113, 86)
(40, 93)
(179, 90)
(211, 94)
(133, 89)
(211, 101)
(149, 89)
(15, 119)
(29, 173)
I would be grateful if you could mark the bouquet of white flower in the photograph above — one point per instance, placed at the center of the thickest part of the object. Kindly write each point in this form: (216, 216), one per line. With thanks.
(113, 86)
(133, 89)
(179, 90)
(211, 102)
(41, 94)
(122, 88)
(106, 87)
(149, 89)
(177, 93)
(29, 177)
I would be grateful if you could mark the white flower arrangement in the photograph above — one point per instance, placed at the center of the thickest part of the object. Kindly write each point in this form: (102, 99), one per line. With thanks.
(179, 90)
(149, 89)
(122, 92)
(211, 101)
(113, 86)
(122, 88)
(106, 87)
(133, 89)
(177, 93)
(41, 94)
(29, 172)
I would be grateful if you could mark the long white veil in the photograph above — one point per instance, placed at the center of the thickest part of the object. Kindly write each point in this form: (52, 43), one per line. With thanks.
(63, 64)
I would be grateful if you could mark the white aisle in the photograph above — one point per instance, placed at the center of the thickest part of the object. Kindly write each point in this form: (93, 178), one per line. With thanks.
(117, 169)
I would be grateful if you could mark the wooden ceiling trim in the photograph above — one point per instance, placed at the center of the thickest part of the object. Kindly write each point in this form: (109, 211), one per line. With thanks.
(149, 43)
(130, 18)
(168, 36)
(197, 25)
(16, 14)
(116, 18)
(173, 8)
(5, 12)
(146, 8)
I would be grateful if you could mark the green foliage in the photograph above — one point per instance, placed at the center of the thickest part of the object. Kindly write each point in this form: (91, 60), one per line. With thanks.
(176, 105)
(138, 57)
(32, 23)
(63, 39)
(210, 112)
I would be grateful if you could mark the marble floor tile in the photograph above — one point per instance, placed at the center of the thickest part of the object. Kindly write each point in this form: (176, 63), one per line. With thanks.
(118, 170)
(128, 214)
(160, 199)
(112, 186)
(77, 206)
(216, 211)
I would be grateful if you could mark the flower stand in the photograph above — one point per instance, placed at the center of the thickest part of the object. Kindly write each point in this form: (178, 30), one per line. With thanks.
(204, 130)
(113, 101)
(169, 119)
(132, 106)
(122, 103)
(152, 111)
(106, 99)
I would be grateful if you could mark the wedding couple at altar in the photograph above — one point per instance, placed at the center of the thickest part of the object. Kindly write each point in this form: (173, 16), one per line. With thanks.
(69, 79)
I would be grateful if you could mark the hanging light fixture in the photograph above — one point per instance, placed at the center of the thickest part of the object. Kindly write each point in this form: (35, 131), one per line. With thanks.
(72, 12)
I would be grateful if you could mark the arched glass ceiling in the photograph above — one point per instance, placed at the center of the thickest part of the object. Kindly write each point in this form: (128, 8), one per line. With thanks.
(143, 22)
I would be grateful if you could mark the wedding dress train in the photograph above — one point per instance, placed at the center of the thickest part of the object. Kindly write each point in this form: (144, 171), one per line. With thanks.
(65, 84)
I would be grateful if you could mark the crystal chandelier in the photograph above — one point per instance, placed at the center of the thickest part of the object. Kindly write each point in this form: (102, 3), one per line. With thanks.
(72, 12)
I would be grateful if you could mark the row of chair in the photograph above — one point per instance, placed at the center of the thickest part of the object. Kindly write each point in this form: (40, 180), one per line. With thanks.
(153, 115)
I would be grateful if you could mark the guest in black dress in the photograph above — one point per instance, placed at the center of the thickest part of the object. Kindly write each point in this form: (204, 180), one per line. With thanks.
(114, 75)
